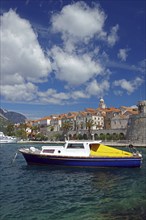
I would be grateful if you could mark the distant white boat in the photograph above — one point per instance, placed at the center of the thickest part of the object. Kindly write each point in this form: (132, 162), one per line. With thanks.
(7, 139)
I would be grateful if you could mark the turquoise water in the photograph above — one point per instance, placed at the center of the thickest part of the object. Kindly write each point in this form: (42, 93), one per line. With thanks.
(53, 193)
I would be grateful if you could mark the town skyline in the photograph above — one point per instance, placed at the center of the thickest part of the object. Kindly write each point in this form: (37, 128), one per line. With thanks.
(103, 107)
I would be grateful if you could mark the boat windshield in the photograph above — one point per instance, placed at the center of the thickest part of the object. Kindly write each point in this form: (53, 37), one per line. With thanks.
(94, 147)
(75, 146)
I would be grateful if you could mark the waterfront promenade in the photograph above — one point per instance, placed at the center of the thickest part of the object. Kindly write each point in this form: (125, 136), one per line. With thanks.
(109, 143)
(124, 144)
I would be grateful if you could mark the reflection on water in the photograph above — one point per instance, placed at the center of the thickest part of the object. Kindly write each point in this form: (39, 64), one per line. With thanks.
(54, 193)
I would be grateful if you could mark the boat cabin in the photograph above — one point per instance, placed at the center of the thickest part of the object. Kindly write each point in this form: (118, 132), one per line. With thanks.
(83, 149)
(70, 148)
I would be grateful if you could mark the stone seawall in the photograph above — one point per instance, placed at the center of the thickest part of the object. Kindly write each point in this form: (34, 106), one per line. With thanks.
(137, 128)
(109, 143)
(124, 144)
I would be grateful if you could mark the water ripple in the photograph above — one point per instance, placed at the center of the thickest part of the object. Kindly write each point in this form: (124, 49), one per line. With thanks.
(41, 193)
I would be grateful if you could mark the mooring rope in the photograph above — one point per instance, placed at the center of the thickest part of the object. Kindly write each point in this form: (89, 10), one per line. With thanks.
(14, 157)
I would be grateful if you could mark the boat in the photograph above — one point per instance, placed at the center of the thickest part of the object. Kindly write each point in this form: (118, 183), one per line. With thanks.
(83, 154)
(4, 139)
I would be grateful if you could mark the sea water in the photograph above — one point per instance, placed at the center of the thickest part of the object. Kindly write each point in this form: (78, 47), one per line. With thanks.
(55, 193)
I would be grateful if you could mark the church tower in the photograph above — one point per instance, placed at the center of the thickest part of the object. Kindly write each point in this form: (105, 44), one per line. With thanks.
(102, 104)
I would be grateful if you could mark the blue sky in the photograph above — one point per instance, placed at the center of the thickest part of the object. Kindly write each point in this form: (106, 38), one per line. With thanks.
(59, 56)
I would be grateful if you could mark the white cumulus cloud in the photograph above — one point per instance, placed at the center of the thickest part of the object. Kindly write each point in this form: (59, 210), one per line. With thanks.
(76, 62)
(79, 21)
(52, 96)
(79, 94)
(98, 88)
(123, 54)
(112, 38)
(22, 58)
(19, 92)
(74, 69)
(130, 86)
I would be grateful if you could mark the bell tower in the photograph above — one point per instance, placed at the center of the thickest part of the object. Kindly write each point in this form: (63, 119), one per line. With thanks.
(102, 104)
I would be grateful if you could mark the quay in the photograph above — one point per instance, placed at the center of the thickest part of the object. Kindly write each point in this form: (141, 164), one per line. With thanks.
(109, 143)
(124, 144)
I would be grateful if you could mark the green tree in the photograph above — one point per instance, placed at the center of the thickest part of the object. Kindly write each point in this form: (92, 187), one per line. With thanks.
(34, 130)
(89, 125)
(108, 137)
(52, 128)
(80, 137)
(40, 137)
(121, 136)
(85, 136)
(21, 133)
(115, 136)
(10, 130)
(96, 136)
(57, 137)
(66, 126)
(23, 126)
(102, 136)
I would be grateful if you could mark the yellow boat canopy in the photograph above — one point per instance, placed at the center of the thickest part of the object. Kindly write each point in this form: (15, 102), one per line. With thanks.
(106, 151)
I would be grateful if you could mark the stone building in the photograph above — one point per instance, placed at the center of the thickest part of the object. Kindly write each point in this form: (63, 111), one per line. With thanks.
(119, 121)
(136, 130)
(109, 114)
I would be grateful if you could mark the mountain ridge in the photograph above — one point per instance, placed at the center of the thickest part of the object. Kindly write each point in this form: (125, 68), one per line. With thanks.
(11, 116)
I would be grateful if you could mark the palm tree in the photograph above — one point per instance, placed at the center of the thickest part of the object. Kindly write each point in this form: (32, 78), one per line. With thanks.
(89, 125)
(34, 131)
(66, 127)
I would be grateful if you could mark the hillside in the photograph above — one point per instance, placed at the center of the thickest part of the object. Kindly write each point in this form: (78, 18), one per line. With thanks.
(13, 117)
(3, 123)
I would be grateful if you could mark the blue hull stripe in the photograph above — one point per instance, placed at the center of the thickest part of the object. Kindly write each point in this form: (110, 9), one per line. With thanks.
(82, 161)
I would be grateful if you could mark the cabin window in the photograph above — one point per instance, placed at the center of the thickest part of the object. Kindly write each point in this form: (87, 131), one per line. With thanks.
(94, 147)
(48, 151)
(75, 146)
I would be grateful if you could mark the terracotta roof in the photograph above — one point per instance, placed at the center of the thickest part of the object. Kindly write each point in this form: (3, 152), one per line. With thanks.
(112, 109)
(45, 118)
(129, 108)
(82, 113)
(90, 110)
(131, 112)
